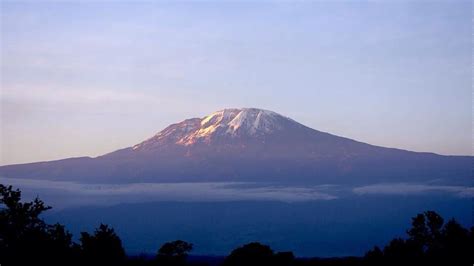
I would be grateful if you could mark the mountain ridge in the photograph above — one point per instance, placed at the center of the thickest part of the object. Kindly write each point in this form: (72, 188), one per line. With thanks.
(251, 145)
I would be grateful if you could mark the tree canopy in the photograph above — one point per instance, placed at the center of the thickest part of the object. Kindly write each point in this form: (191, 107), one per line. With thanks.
(26, 239)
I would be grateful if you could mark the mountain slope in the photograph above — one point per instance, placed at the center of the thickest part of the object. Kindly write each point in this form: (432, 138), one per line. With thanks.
(250, 145)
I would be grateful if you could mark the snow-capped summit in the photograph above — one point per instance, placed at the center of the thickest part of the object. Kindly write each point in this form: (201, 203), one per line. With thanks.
(232, 123)
(255, 121)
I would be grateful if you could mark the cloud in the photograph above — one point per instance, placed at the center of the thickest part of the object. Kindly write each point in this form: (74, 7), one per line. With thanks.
(62, 194)
(413, 189)
(70, 193)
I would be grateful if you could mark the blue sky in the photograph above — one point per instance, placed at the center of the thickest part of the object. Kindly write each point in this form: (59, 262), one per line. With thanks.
(85, 78)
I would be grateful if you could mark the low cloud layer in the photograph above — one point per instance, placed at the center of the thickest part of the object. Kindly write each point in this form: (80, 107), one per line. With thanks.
(66, 193)
(413, 189)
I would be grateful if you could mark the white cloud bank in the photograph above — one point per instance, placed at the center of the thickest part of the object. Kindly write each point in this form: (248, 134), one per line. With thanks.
(413, 189)
(65, 194)
(60, 192)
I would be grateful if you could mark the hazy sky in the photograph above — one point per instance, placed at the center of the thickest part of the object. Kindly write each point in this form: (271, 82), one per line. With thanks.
(85, 78)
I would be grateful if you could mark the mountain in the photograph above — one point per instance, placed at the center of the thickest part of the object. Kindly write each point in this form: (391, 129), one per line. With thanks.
(251, 145)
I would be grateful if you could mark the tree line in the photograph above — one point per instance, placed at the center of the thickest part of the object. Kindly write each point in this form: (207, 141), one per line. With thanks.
(26, 239)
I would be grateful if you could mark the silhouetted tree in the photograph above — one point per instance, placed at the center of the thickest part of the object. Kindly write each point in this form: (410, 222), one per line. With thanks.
(374, 256)
(400, 251)
(426, 231)
(456, 243)
(286, 258)
(257, 254)
(104, 247)
(25, 237)
(250, 254)
(174, 253)
(430, 241)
